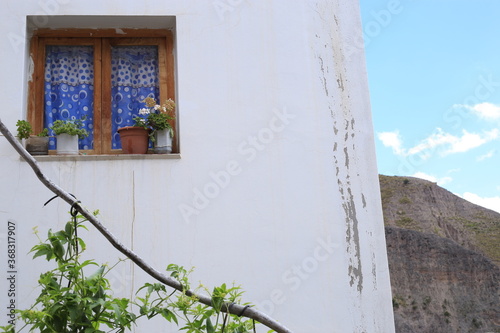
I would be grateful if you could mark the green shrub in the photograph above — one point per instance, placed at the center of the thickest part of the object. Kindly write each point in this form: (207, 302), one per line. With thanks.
(71, 301)
(71, 127)
(405, 200)
(24, 129)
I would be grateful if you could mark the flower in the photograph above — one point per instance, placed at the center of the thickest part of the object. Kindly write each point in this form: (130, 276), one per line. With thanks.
(169, 106)
(156, 117)
(141, 122)
(149, 101)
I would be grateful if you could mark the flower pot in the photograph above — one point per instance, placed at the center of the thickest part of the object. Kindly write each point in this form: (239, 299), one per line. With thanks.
(38, 145)
(163, 142)
(67, 144)
(134, 139)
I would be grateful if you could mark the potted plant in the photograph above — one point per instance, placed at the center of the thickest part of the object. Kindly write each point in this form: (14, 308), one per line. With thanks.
(68, 132)
(135, 139)
(159, 119)
(153, 123)
(38, 144)
(35, 145)
(24, 129)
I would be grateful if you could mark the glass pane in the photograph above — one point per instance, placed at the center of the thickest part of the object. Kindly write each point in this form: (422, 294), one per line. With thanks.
(69, 88)
(134, 76)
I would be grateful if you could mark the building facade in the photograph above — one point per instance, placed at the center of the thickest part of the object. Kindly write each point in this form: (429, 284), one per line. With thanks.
(272, 183)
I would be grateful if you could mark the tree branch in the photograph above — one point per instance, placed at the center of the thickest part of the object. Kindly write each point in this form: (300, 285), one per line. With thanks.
(232, 308)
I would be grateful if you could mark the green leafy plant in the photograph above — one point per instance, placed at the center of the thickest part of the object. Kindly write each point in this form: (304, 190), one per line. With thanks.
(44, 133)
(24, 129)
(71, 127)
(71, 301)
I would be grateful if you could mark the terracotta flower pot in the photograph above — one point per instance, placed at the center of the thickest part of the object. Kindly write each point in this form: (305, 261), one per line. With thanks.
(135, 140)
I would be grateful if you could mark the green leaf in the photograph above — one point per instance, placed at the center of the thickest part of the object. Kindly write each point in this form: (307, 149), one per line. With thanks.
(218, 297)
(146, 285)
(57, 246)
(69, 228)
(7, 329)
(82, 244)
(41, 250)
(143, 310)
(97, 274)
(97, 305)
(87, 262)
(210, 327)
(118, 311)
(168, 315)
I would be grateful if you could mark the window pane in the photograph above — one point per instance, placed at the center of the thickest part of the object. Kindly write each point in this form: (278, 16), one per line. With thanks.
(69, 88)
(134, 76)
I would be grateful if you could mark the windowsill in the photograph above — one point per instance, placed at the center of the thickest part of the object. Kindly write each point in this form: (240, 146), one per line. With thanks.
(115, 157)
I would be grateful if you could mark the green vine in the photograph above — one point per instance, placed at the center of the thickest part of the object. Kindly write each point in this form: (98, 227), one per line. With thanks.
(70, 301)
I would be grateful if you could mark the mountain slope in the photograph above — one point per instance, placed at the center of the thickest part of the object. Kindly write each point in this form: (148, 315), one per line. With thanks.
(443, 257)
(420, 205)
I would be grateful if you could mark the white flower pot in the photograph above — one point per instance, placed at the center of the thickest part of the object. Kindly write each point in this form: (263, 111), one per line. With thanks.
(67, 144)
(163, 142)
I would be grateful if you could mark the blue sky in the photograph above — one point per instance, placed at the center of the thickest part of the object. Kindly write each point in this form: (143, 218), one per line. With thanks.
(434, 77)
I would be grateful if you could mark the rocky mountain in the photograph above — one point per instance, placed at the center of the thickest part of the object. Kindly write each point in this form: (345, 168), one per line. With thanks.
(444, 257)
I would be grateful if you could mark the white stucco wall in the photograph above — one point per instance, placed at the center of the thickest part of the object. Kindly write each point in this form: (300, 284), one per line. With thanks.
(276, 135)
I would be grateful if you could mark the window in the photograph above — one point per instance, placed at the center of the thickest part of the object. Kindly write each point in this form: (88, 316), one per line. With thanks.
(100, 76)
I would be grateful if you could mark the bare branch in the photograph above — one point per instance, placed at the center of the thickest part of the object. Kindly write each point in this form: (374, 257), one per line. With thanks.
(236, 309)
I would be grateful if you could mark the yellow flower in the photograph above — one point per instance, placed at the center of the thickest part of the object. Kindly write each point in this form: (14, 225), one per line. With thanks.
(169, 105)
(150, 102)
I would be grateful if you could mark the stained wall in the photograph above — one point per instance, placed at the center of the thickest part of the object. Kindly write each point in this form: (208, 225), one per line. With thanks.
(275, 187)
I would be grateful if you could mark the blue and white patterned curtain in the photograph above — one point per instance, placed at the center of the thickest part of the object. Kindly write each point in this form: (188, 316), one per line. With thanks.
(69, 88)
(134, 76)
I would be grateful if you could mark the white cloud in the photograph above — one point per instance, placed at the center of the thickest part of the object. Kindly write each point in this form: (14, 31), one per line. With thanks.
(492, 203)
(487, 110)
(434, 140)
(470, 141)
(446, 143)
(489, 154)
(392, 140)
(440, 181)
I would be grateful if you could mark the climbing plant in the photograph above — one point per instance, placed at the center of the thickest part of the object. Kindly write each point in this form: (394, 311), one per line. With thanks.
(72, 302)
(228, 309)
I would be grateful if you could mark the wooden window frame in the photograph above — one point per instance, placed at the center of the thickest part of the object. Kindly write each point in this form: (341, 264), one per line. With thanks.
(102, 40)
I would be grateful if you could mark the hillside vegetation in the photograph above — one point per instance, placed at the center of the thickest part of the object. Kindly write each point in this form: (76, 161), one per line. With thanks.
(444, 256)
(420, 205)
